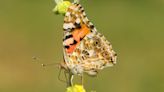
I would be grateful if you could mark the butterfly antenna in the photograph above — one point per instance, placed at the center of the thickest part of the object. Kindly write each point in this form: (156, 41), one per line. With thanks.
(51, 64)
(37, 59)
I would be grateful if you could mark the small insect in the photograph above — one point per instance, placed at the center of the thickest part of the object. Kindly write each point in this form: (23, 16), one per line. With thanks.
(85, 49)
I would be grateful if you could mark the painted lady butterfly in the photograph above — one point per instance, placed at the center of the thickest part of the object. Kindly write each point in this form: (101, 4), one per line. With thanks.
(85, 49)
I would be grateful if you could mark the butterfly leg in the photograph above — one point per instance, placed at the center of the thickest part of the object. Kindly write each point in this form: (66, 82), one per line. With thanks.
(60, 74)
(65, 74)
(70, 80)
(82, 79)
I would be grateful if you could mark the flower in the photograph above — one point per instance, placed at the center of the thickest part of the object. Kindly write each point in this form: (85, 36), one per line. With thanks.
(62, 7)
(76, 88)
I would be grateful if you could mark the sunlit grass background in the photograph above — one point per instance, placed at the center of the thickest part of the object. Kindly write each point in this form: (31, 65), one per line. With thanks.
(29, 28)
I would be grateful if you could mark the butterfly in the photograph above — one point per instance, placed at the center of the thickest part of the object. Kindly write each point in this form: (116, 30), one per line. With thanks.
(85, 49)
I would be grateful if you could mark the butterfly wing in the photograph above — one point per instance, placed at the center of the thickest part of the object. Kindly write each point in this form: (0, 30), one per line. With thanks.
(85, 50)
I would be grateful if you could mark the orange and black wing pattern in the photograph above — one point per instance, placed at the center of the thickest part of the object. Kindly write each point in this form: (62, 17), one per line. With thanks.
(85, 50)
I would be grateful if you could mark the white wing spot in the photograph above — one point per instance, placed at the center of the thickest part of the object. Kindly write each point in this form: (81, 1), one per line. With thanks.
(84, 14)
(78, 20)
(68, 25)
(68, 14)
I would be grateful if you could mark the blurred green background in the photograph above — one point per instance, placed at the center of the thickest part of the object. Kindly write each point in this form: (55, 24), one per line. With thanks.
(29, 28)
